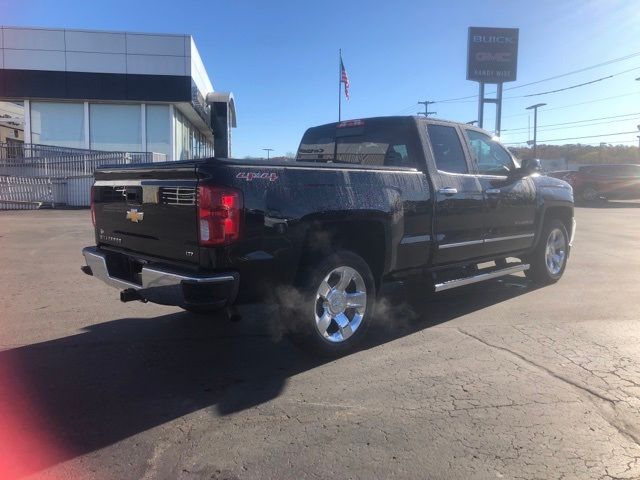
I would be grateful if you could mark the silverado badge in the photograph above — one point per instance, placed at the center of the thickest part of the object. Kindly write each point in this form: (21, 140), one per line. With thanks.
(134, 215)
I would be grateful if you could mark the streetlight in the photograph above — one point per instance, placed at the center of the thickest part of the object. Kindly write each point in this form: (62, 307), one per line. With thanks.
(535, 124)
(268, 150)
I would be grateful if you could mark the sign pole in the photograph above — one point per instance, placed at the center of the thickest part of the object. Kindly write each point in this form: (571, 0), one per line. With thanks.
(340, 85)
(481, 105)
(498, 109)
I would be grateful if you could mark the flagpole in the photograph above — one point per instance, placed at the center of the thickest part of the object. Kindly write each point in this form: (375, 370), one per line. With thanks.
(340, 85)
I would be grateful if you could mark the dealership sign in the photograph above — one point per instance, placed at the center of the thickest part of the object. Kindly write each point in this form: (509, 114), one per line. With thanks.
(492, 54)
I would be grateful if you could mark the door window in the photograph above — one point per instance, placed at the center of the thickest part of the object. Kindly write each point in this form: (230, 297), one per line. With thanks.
(447, 149)
(490, 156)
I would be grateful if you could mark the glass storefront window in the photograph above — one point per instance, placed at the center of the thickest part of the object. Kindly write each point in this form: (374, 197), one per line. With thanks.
(12, 127)
(115, 127)
(158, 133)
(190, 143)
(58, 124)
(181, 146)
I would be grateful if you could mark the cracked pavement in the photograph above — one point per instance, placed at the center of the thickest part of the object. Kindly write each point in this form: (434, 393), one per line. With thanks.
(496, 380)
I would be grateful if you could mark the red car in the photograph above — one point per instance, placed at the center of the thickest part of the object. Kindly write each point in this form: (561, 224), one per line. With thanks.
(611, 182)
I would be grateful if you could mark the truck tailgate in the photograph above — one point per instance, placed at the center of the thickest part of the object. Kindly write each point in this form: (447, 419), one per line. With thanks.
(149, 209)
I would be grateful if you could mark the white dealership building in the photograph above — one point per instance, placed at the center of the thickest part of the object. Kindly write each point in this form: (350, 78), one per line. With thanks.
(111, 91)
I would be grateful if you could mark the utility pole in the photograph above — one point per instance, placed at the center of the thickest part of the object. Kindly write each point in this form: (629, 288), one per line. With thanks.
(535, 125)
(268, 150)
(426, 112)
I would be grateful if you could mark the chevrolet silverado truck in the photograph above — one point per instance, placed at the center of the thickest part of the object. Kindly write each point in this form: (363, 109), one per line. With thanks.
(369, 202)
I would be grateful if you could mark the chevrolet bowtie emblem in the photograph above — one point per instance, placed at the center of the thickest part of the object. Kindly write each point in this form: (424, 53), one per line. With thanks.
(134, 215)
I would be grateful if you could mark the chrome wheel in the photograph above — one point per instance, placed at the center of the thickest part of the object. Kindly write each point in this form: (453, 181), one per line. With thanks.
(341, 302)
(556, 251)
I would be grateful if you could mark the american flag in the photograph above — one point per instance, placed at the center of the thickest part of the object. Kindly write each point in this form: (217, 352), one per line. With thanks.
(344, 78)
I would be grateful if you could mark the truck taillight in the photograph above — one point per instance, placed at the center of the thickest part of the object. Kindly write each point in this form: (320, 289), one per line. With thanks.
(219, 215)
(93, 205)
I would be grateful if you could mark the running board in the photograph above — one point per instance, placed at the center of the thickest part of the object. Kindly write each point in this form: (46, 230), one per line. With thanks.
(440, 287)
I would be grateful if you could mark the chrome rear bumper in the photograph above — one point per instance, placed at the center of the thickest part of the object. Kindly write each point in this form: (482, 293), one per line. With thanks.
(165, 286)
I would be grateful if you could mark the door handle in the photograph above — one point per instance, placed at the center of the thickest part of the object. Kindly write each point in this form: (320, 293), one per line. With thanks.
(448, 191)
(492, 191)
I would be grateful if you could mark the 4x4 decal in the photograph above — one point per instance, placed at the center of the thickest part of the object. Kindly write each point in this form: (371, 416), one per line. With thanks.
(249, 176)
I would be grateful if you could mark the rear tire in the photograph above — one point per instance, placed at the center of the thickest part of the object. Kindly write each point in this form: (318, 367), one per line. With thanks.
(549, 260)
(331, 310)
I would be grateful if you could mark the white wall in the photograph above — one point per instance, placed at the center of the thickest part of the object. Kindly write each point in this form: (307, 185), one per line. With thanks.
(99, 52)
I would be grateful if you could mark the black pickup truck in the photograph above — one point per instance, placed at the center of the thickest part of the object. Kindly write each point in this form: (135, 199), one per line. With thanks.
(367, 202)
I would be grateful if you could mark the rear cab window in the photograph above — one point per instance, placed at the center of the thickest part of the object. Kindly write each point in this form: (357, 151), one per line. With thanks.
(389, 142)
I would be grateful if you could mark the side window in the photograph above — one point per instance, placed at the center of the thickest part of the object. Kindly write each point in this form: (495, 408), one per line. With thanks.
(447, 149)
(490, 156)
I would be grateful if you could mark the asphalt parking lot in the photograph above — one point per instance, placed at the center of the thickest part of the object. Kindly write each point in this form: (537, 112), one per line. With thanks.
(496, 380)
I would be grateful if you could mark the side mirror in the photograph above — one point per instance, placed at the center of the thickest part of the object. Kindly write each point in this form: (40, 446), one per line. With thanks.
(530, 165)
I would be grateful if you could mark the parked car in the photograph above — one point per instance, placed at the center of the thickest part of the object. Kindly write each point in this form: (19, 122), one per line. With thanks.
(368, 203)
(611, 182)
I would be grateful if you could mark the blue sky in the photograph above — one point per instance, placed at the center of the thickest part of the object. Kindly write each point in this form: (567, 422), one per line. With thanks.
(280, 58)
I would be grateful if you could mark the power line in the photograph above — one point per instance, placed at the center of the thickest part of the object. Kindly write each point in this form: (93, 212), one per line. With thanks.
(553, 91)
(577, 138)
(576, 104)
(579, 126)
(407, 108)
(617, 142)
(575, 121)
(579, 85)
(555, 77)
(592, 124)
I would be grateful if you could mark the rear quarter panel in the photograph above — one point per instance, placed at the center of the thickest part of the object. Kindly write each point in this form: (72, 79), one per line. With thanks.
(282, 204)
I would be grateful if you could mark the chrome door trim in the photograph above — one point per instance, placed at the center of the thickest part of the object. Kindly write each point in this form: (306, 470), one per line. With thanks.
(510, 237)
(460, 244)
(486, 240)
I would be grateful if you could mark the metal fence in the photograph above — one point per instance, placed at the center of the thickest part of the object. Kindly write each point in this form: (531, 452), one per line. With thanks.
(28, 150)
(69, 164)
(55, 175)
(23, 193)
